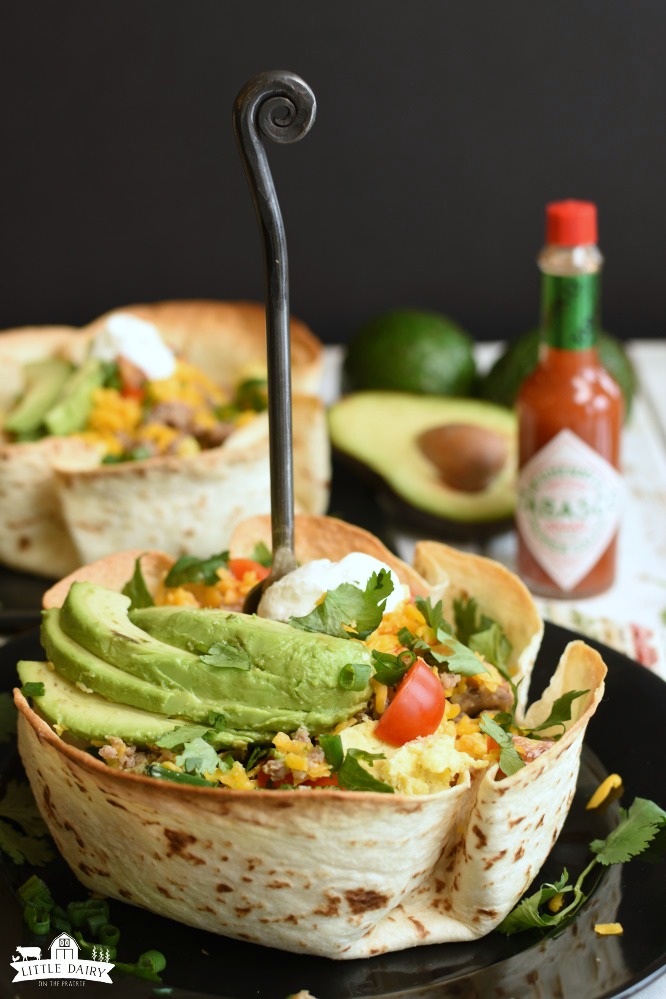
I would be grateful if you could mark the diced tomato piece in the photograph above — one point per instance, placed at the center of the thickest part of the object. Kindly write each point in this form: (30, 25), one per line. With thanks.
(416, 709)
(239, 566)
(331, 781)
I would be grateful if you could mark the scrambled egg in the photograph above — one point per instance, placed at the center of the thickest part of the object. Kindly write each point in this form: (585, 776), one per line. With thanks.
(423, 766)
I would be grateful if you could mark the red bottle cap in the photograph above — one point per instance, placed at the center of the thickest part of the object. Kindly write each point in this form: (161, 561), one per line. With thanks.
(571, 223)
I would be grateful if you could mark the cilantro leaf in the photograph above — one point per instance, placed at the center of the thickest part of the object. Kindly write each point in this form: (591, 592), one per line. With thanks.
(8, 716)
(262, 554)
(181, 735)
(459, 659)
(224, 655)
(137, 590)
(354, 777)
(433, 615)
(198, 757)
(349, 605)
(35, 850)
(465, 612)
(560, 712)
(641, 828)
(351, 775)
(526, 915)
(494, 646)
(18, 804)
(638, 827)
(510, 761)
(190, 569)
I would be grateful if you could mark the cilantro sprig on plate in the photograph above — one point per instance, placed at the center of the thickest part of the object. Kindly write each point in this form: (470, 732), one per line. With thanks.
(640, 832)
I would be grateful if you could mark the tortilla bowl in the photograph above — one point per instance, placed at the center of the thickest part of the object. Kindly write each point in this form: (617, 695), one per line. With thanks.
(60, 508)
(334, 873)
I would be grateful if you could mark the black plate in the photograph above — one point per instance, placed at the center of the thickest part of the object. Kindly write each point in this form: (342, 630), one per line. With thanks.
(626, 735)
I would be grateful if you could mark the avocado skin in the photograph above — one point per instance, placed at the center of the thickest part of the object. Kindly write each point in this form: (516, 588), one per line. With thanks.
(70, 414)
(90, 716)
(44, 383)
(520, 357)
(411, 350)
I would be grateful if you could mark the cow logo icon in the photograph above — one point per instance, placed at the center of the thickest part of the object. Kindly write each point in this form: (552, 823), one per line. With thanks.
(64, 962)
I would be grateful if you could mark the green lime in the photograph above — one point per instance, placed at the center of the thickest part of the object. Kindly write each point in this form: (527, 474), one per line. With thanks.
(409, 350)
(520, 357)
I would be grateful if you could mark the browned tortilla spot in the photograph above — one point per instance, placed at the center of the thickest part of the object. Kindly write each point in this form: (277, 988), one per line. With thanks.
(221, 888)
(520, 852)
(70, 828)
(362, 899)
(333, 907)
(480, 835)
(48, 804)
(420, 928)
(178, 843)
(491, 861)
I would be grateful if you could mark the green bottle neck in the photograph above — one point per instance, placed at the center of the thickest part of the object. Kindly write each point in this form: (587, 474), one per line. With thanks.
(570, 310)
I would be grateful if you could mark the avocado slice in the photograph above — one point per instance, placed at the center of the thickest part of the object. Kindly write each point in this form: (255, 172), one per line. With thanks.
(291, 676)
(91, 673)
(44, 383)
(89, 716)
(263, 677)
(380, 436)
(70, 414)
(79, 665)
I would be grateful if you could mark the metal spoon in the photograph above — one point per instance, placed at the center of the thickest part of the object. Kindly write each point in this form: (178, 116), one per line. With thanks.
(281, 107)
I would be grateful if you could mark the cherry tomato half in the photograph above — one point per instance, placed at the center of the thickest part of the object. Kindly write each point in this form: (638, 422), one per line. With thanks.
(417, 708)
(239, 566)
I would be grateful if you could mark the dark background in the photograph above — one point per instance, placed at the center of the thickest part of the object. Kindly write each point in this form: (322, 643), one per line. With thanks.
(443, 128)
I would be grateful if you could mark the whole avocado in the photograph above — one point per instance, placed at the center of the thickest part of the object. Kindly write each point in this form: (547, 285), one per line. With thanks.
(503, 380)
(410, 350)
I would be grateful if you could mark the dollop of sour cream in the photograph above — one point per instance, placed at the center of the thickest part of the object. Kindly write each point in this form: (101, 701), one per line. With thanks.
(136, 340)
(297, 593)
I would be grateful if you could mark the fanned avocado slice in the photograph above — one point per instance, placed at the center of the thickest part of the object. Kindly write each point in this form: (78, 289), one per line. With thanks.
(89, 716)
(44, 383)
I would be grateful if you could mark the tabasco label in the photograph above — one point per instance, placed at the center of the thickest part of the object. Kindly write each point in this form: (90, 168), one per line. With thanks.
(569, 505)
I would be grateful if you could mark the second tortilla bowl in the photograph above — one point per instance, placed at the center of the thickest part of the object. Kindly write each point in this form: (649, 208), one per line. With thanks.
(73, 509)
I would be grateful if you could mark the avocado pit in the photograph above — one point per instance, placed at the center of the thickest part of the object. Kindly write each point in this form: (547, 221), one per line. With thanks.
(467, 457)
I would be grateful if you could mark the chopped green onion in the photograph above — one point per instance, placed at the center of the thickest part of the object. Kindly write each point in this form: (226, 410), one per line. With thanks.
(33, 689)
(163, 773)
(354, 676)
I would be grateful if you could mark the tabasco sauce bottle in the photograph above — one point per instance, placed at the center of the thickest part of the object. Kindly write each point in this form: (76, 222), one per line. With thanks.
(570, 414)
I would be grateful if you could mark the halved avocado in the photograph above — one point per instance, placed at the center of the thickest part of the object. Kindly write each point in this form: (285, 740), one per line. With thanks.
(389, 436)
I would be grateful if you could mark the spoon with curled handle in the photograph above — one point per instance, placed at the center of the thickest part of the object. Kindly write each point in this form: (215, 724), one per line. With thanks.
(276, 105)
